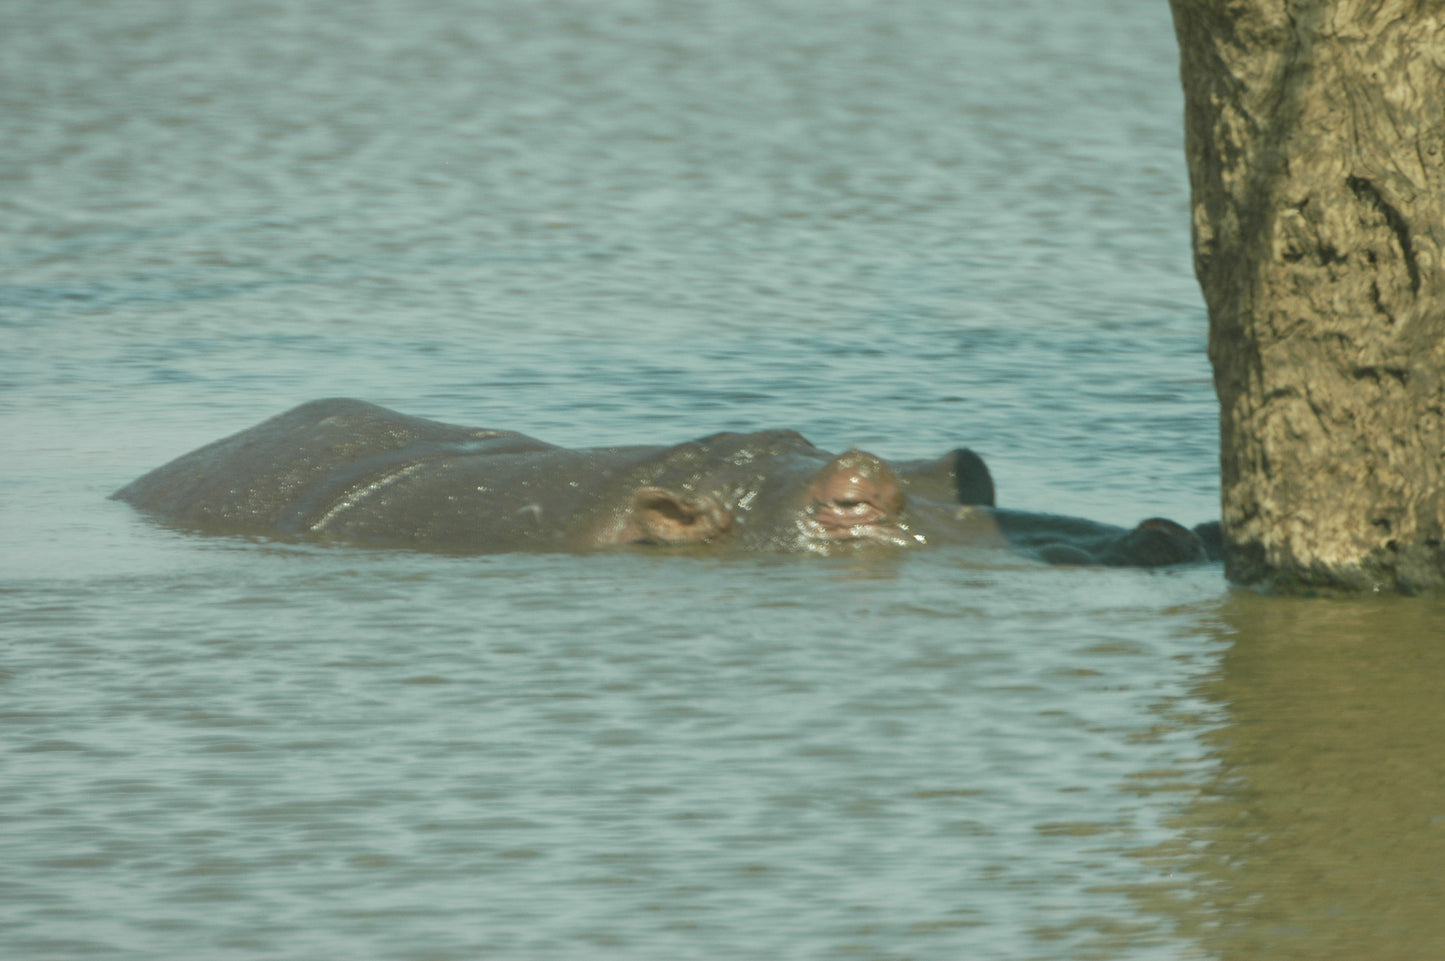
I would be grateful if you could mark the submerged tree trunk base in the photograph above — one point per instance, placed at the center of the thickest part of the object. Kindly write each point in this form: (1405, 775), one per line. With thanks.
(1315, 138)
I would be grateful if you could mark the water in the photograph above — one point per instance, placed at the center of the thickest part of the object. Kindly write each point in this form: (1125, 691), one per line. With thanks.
(906, 227)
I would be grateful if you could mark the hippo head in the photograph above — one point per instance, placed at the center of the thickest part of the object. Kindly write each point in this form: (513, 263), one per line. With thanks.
(775, 491)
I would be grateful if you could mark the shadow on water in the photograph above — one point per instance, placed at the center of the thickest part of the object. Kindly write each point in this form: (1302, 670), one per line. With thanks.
(1319, 832)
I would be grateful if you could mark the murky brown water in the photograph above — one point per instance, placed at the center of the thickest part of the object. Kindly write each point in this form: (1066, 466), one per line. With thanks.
(1319, 830)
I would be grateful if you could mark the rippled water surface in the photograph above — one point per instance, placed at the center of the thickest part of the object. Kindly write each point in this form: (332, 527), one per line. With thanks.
(902, 226)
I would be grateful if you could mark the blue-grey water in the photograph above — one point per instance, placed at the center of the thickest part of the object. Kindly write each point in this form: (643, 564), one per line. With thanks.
(904, 226)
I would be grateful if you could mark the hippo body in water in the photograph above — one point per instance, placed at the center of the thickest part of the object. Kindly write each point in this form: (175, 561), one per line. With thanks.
(351, 471)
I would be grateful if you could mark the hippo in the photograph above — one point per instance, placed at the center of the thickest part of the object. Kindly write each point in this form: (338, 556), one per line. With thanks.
(342, 470)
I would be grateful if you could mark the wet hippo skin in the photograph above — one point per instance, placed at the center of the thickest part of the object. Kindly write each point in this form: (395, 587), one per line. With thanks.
(350, 471)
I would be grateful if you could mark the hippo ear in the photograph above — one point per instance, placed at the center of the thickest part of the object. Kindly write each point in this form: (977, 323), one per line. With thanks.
(958, 477)
(662, 516)
(972, 482)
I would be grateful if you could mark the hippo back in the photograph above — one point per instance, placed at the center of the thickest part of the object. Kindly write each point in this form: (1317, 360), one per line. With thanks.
(280, 475)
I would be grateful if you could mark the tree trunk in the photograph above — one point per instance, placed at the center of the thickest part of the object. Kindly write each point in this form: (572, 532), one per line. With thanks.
(1315, 136)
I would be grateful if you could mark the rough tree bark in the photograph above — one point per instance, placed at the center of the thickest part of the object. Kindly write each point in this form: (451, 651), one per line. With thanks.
(1315, 139)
